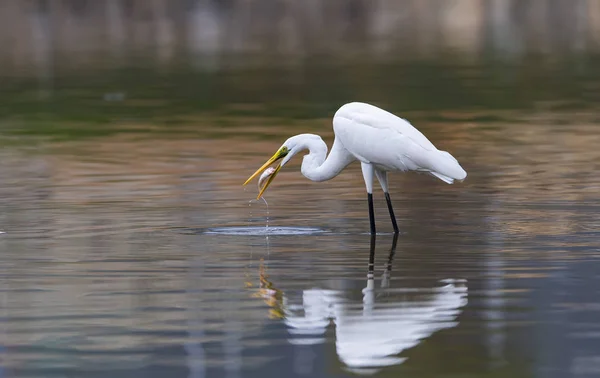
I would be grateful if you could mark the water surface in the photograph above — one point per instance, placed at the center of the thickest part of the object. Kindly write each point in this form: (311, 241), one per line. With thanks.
(137, 256)
(131, 248)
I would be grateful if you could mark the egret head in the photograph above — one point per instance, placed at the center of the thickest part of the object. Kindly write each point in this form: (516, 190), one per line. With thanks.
(287, 150)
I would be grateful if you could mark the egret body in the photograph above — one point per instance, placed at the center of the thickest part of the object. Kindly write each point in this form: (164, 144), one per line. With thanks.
(380, 140)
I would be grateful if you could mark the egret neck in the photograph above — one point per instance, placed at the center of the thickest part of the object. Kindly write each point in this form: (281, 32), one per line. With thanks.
(316, 165)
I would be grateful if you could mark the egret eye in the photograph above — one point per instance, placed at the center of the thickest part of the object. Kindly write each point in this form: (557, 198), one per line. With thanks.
(265, 175)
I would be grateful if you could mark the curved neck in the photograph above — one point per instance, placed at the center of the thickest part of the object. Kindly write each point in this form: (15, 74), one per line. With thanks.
(317, 166)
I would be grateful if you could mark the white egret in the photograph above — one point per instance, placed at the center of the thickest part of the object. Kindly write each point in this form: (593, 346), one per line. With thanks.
(380, 140)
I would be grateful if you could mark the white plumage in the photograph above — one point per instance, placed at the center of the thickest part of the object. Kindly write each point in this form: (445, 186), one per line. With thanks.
(372, 335)
(380, 140)
(375, 136)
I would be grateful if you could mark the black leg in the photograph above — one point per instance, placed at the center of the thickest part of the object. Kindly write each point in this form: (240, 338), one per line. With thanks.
(385, 279)
(392, 216)
(372, 255)
(392, 252)
(371, 212)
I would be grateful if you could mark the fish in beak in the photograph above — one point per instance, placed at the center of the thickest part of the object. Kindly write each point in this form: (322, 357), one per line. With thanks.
(282, 152)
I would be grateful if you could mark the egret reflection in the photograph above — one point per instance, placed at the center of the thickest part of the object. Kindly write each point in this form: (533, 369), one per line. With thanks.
(370, 335)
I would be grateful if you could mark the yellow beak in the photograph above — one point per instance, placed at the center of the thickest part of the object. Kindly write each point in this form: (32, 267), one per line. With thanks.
(278, 155)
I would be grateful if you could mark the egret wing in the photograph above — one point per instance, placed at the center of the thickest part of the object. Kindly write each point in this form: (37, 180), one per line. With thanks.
(378, 137)
(383, 147)
(372, 116)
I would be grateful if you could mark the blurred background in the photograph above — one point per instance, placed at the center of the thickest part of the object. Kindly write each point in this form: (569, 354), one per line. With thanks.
(103, 60)
(131, 249)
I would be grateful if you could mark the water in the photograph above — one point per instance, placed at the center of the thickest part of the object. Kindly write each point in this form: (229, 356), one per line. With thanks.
(131, 248)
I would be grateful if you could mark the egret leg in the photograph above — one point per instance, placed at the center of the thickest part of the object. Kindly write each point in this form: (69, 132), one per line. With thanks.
(392, 253)
(391, 210)
(385, 279)
(382, 177)
(372, 255)
(367, 170)
(368, 292)
(371, 213)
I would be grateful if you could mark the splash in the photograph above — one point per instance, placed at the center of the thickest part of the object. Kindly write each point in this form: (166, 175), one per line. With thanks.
(250, 215)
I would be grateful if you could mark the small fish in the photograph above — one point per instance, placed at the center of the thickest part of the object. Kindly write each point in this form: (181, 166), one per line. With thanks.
(265, 175)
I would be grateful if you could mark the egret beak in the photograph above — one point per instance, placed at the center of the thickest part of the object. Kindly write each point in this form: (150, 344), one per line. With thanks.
(278, 155)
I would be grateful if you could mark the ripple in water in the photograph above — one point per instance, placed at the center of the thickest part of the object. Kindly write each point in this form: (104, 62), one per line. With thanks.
(259, 231)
